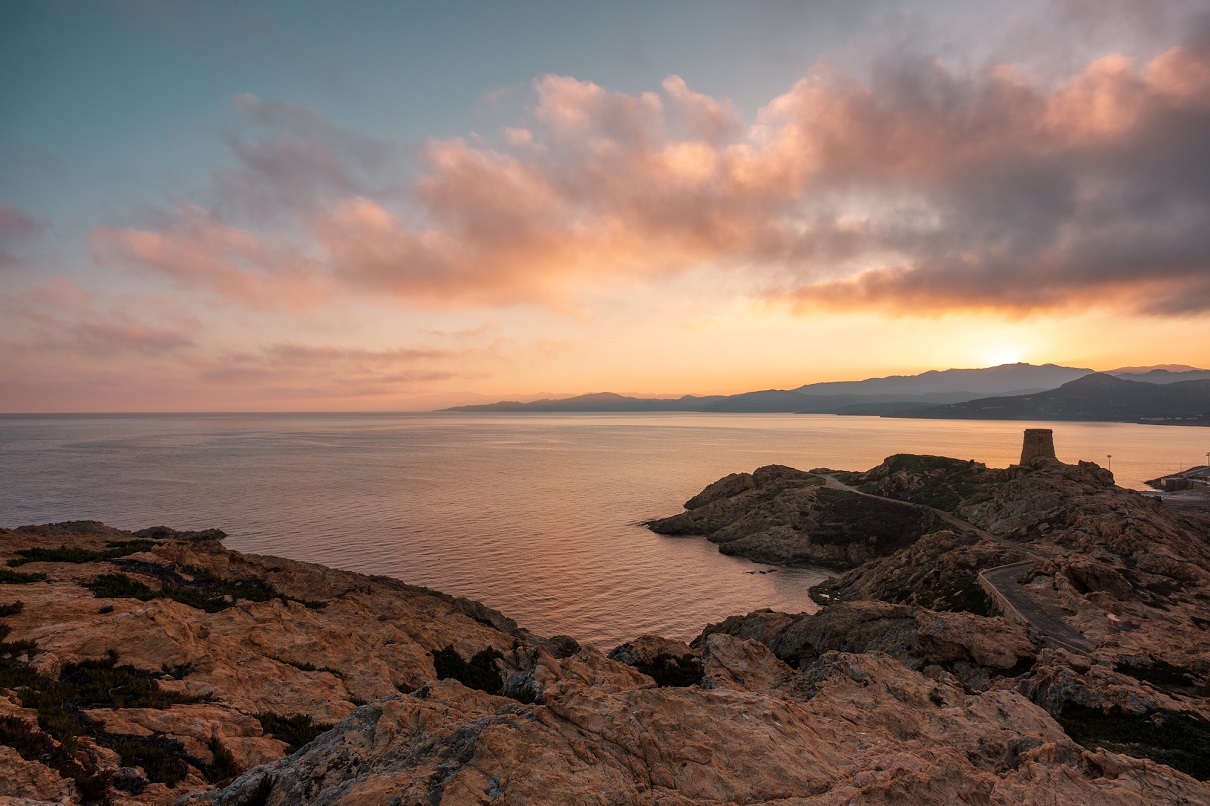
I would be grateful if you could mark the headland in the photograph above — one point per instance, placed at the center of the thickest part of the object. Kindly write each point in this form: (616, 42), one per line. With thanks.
(161, 667)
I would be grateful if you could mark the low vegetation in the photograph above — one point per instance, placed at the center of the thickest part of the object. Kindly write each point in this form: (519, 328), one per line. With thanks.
(76, 554)
(668, 670)
(479, 672)
(296, 731)
(8, 577)
(201, 589)
(1166, 677)
(1181, 741)
(34, 745)
(60, 704)
(260, 795)
(222, 766)
(844, 516)
(938, 481)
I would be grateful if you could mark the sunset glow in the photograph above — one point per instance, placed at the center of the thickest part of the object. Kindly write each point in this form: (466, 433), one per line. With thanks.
(414, 208)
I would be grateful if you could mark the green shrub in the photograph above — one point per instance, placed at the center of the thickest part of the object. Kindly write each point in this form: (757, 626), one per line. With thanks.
(120, 586)
(222, 767)
(667, 670)
(1181, 741)
(260, 795)
(60, 705)
(296, 731)
(103, 683)
(75, 554)
(1162, 675)
(163, 760)
(478, 673)
(8, 577)
(11, 609)
(204, 591)
(33, 745)
(62, 554)
(966, 595)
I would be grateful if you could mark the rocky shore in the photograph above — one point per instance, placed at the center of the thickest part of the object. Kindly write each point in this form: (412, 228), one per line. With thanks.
(161, 667)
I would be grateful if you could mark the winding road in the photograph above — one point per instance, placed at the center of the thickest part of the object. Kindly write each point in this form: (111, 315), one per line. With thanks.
(1004, 579)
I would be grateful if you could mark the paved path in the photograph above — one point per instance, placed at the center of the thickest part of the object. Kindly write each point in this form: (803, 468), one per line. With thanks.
(1003, 579)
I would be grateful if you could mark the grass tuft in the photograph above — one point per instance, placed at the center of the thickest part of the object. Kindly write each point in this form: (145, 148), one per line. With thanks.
(1181, 741)
(296, 731)
(8, 577)
(260, 795)
(667, 670)
(75, 554)
(222, 766)
(478, 673)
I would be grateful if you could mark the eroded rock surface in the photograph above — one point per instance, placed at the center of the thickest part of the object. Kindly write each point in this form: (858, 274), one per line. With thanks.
(191, 673)
(785, 516)
(1128, 572)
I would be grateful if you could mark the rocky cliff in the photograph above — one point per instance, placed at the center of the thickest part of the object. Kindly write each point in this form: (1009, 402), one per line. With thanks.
(1128, 575)
(160, 667)
(785, 516)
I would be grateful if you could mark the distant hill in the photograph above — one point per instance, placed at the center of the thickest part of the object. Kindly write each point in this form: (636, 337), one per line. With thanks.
(870, 396)
(1099, 397)
(1002, 380)
(600, 401)
(1161, 374)
(1149, 367)
(1012, 391)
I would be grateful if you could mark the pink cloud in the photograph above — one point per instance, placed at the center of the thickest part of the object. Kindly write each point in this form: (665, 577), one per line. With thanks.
(198, 251)
(60, 316)
(920, 188)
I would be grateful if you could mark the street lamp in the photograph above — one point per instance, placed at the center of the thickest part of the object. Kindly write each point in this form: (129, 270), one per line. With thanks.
(1109, 456)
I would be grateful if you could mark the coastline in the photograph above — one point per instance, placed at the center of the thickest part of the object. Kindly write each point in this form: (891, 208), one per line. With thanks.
(292, 682)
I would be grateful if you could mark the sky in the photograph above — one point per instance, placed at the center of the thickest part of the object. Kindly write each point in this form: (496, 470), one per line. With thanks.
(310, 206)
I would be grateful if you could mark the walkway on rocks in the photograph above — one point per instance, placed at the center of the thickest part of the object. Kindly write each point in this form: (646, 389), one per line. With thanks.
(1003, 578)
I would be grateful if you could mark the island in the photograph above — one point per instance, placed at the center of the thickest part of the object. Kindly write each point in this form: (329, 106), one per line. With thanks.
(1023, 634)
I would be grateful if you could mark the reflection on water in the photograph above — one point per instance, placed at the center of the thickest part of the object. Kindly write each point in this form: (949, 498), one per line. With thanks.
(532, 514)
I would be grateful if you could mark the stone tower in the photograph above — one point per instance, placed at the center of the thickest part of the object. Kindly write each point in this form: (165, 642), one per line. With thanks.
(1039, 442)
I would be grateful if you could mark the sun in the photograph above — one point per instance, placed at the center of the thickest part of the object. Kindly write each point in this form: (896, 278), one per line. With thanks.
(1003, 354)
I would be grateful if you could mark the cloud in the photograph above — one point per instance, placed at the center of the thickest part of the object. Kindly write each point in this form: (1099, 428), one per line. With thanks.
(60, 316)
(17, 229)
(299, 160)
(70, 349)
(294, 370)
(918, 188)
(196, 250)
(1025, 198)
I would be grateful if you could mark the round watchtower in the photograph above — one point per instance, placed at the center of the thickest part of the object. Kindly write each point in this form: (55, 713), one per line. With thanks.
(1039, 442)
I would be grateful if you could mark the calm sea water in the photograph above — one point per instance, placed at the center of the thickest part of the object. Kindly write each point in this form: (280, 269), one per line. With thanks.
(532, 514)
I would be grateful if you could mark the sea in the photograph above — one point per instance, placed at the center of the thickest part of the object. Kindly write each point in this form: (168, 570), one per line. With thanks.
(538, 516)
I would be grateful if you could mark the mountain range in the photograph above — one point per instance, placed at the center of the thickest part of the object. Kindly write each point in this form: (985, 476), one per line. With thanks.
(1009, 391)
(1096, 397)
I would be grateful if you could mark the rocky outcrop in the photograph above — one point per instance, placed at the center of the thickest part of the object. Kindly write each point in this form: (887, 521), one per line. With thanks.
(169, 669)
(214, 643)
(784, 516)
(971, 647)
(940, 571)
(1125, 575)
(854, 728)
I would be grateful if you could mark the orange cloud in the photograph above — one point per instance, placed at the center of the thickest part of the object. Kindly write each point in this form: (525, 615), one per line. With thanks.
(919, 189)
(200, 252)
